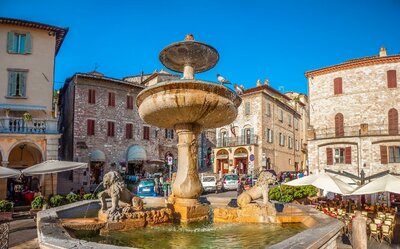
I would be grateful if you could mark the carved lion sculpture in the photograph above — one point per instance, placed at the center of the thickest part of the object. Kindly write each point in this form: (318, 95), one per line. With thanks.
(116, 189)
(260, 189)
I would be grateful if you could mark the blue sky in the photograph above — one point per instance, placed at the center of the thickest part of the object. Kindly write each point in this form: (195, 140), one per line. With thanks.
(278, 40)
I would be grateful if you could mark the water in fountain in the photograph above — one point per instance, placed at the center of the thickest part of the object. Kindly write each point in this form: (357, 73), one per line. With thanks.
(94, 193)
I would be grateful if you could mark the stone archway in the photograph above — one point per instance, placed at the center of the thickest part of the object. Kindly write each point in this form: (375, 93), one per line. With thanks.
(24, 155)
(222, 159)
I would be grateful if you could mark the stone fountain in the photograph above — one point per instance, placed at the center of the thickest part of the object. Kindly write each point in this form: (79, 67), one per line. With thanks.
(188, 106)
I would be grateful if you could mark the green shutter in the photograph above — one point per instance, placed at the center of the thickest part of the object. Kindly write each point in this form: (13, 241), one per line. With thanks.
(10, 42)
(22, 77)
(28, 43)
(252, 138)
(12, 83)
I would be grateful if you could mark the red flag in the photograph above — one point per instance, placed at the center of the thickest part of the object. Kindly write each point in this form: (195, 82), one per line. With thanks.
(233, 130)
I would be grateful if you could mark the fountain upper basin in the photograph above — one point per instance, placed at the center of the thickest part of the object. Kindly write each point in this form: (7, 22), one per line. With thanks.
(202, 103)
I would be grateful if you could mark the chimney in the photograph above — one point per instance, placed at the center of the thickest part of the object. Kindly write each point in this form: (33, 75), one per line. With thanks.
(258, 82)
(382, 52)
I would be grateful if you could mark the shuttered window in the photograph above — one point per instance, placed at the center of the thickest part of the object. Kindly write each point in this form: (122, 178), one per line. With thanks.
(339, 127)
(347, 155)
(19, 43)
(169, 133)
(17, 83)
(129, 131)
(384, 155)
(394, 154)
(92, 96)
(90, 127)
(247, 108)
(146, 132)
(391, 79)
(110, 129)
(129, 102)
(393, 122)
(329, 156)
(111, 99)
(337, 86)
(268, 109)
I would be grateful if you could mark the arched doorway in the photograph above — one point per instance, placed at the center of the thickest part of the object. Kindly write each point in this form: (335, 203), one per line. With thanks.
(21, 190)
(241, 160)
(222, 161)
(136, 156)
(97, 162)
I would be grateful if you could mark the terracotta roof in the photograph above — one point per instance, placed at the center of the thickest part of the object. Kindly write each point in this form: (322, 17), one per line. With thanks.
(105, 78)
(59, 32)
(361, 62)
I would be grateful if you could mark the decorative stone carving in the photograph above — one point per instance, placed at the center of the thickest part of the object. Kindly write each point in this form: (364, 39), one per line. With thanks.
(260, 189)
(116, 189)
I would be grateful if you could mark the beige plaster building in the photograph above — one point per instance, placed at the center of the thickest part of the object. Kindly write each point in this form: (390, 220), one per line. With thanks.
(268, 131)
(28, 126)
(354, 110)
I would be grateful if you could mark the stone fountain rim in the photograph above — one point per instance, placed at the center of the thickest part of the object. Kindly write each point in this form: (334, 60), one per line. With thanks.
(180, 43)
(197, 85)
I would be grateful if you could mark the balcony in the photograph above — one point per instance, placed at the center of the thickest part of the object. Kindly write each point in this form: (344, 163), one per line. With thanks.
(35, 126)
(352, 131)
(237, 141)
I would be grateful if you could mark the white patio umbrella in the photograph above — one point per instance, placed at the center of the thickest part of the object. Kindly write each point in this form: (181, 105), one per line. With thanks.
(386, 183)
(52, 166)
(8, 172)
(324, 181)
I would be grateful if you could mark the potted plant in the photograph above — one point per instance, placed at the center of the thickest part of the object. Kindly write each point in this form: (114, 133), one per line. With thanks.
(89, 196)
(37, 205)
(6, 209)
(72, 198)
(27, 117)
(57, 200)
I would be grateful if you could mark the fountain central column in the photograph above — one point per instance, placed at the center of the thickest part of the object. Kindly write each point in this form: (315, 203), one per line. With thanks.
(187, 186)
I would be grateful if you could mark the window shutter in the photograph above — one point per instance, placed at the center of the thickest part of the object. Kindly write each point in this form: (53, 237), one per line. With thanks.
(94, 97)
(252, 138)
(329, 156)
(339, 129)
(337, 85)
(88, 124)
(384, 156)
(393, 117)
(28, 43)
(10, 42)
(347, 155)
(391, 79)
(12, 83)
(242, 136)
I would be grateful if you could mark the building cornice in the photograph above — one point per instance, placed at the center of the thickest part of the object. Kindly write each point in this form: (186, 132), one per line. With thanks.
(361, 62)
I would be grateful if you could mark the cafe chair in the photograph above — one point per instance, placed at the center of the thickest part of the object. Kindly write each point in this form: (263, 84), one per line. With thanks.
(373, 232)
(387, 233)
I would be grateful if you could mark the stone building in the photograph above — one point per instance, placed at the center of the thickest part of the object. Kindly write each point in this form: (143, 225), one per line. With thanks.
(101, 125)
(28, 125)
(268, 131)
(354, 110)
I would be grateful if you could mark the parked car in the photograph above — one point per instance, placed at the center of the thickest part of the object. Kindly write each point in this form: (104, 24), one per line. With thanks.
(230, 182)
(209, 183)
(146, 187)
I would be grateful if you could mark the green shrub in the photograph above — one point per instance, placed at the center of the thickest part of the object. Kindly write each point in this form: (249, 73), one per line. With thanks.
(38, 202)
(89, 196)
(57, 200)
(6, 206)
(285, 193)
(72, 198)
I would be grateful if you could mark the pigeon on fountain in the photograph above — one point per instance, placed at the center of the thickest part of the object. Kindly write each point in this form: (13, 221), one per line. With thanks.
(239, 89)
(222, 80)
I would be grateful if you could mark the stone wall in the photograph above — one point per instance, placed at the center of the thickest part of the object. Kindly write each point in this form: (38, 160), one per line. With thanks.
(366, 99)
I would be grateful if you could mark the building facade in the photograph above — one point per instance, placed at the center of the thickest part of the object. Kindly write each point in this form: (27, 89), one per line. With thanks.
(28, 124)
(268, 131)
(354, 110)
(100, 124)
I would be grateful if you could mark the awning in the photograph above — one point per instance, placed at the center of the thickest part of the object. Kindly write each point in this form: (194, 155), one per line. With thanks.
(8, 172)
(136, 153)
(97, 156)
(52, 166)
(387, 183)
(18, 107)
(240, 155)
(222, 157)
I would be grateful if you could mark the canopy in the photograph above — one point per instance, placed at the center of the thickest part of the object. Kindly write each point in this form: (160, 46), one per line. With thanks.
(52, 166)
(97, 156)
(324, 181)
(136, 153)
(8, 172)
(387, 183)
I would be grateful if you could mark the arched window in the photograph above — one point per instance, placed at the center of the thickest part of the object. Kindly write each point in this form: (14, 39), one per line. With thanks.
(224, 137)
(339, 128)
(393, 122)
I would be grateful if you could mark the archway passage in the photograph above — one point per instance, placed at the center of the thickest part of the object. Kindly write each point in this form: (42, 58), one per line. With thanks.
(97, 162)
(222, 161)
(241, 160)
(22, 190)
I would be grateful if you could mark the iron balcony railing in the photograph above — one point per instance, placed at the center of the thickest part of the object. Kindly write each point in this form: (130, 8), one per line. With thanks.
(34, 126)
(237, 141)
(355, 131)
